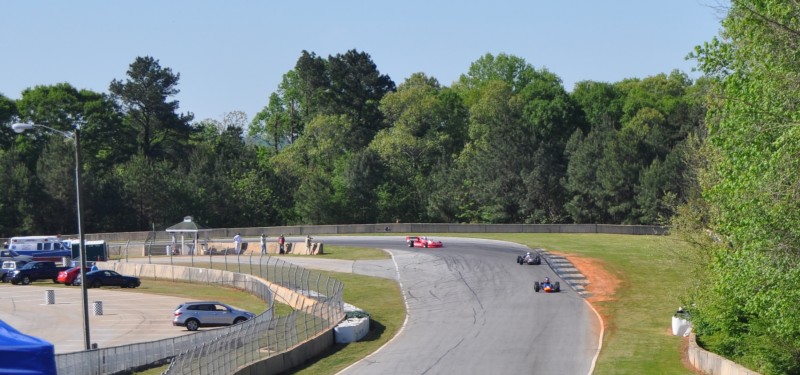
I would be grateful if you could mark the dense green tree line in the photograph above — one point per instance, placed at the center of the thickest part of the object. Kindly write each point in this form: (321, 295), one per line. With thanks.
(339, 142)
(744, 217)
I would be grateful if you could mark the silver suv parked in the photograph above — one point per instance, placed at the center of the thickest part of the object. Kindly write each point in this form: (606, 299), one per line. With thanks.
(194, 315)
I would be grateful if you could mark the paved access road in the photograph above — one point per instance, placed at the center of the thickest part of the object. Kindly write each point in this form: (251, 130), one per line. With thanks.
(472, 310)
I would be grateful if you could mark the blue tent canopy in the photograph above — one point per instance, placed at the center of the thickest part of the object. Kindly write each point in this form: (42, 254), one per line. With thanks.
(25, 355)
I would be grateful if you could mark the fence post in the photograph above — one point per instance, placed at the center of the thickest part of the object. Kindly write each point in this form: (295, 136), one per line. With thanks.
(317, 289)
(260, 263)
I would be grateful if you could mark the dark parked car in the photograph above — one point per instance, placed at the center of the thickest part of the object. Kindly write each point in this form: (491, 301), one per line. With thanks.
(36, 271)
(96, 279)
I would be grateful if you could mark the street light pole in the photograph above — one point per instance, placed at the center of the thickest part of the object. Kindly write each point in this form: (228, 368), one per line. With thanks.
(82, 244)
(75, 135)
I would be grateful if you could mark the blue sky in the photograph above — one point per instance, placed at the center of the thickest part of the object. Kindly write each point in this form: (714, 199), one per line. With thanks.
(232, 54)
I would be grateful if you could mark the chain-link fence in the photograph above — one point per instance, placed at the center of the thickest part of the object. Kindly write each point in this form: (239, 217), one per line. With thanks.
(316, 299)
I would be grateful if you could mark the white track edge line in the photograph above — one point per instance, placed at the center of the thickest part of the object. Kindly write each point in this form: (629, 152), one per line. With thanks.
(405, 302)
(600, 340)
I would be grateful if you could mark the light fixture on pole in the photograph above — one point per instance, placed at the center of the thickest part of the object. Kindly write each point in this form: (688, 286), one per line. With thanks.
(75, 136)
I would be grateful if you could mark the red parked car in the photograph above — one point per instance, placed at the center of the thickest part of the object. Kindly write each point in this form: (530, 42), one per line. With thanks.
(68, 276)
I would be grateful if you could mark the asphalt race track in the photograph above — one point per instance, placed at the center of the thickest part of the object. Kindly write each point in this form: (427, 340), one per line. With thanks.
(472, 310)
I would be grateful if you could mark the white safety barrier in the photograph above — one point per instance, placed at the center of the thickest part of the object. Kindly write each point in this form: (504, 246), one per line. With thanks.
(50, 297)
(681, 326)
(351, 330)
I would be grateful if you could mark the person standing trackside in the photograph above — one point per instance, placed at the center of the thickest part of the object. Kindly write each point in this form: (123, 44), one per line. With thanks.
(237, 239)
(308, 244)
(281, 241)
(263, 244)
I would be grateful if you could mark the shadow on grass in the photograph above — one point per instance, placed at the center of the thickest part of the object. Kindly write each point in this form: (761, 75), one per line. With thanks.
(376, 330)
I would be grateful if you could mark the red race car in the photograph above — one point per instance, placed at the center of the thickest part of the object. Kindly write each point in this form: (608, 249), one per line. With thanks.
(422, 241)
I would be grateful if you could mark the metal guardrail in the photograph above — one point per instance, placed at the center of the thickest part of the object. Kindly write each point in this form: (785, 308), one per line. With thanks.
(221, 351)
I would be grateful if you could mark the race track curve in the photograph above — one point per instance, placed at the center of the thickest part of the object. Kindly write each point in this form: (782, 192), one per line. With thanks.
(472, 310)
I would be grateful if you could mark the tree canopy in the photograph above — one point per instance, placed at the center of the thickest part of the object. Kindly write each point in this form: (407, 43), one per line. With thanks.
(339, 142)
(746, 306)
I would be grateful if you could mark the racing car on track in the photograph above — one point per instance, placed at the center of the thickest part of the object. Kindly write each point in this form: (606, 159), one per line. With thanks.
(422, 241)
(529, 259)
(546, 286)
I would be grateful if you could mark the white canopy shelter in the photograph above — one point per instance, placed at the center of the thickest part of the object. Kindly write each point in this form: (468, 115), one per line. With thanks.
(183, 228)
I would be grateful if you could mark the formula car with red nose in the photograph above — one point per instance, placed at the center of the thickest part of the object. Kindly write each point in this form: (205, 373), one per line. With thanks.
(546, 286)
(422, 241)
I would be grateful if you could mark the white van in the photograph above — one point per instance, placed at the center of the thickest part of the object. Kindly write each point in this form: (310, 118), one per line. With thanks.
(39, 243)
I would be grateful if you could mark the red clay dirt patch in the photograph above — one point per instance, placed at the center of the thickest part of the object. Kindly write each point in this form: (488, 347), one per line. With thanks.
(602, 283)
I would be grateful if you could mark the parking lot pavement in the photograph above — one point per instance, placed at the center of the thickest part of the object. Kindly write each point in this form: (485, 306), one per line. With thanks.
(127, 317)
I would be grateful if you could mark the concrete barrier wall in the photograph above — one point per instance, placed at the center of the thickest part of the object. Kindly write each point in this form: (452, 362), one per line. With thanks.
(713, 364)
(293, 357)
